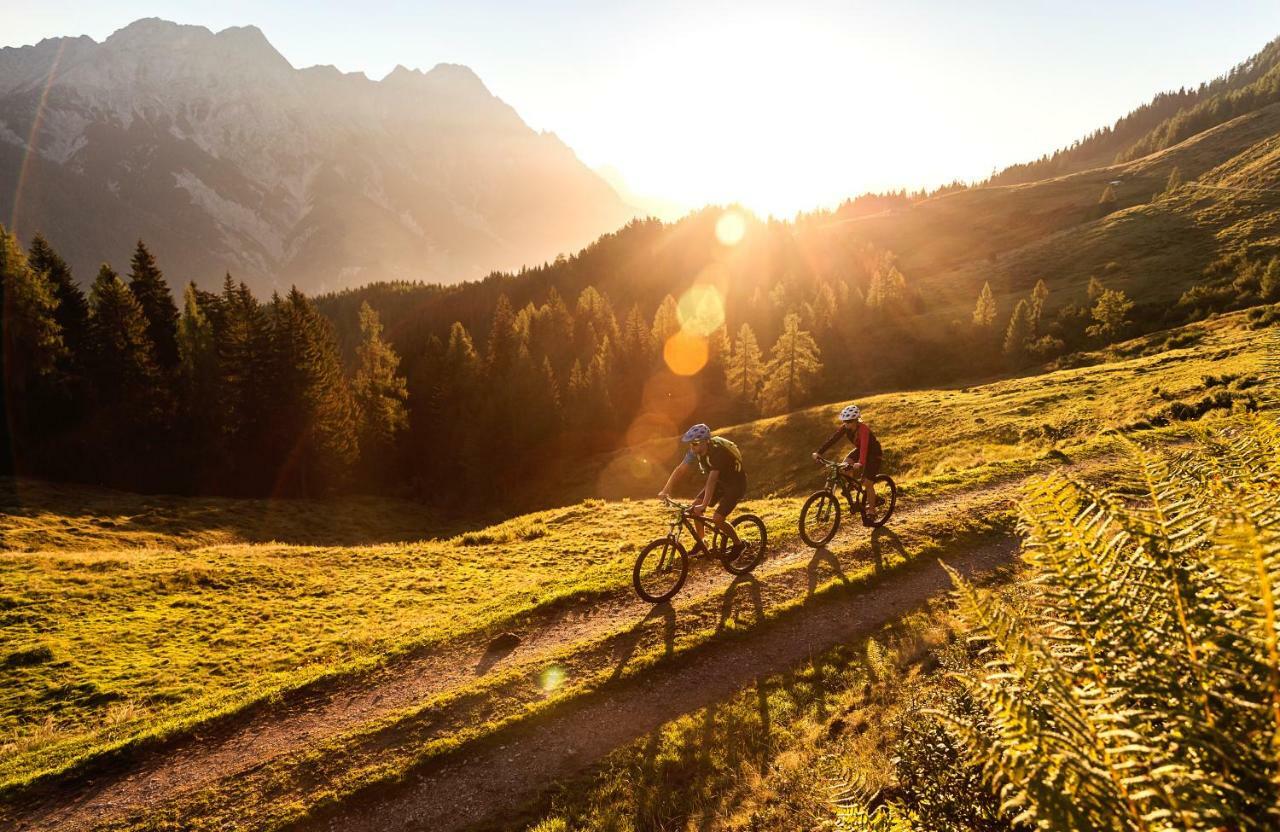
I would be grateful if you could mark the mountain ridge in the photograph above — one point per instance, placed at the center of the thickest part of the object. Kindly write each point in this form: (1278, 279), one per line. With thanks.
(225, 158)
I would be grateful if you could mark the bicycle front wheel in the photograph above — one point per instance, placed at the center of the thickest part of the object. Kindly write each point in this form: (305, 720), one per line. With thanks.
(754, 537)
(660, 570)
(819, 518)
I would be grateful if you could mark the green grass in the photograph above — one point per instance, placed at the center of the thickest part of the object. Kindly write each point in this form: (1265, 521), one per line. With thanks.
(763, 758)
(126, 618)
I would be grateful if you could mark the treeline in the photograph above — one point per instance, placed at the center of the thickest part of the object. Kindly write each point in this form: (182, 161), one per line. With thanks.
(228, 395)
(497, 390)
(1168, 119)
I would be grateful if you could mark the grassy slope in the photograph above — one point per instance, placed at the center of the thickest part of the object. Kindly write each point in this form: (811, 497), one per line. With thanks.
(126, 616)
(1013, 235)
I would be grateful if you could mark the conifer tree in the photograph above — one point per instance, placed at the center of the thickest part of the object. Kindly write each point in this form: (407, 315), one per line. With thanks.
(380, 392)
(746, 367)
(199, 381)
(31, 350)
(1111, 315)
(148, 285)
(1175, 180)
(1018, 333)
(666, 323)
(984, 313)
(794, 364)
(504, 343)
(72, 312)
(1038, 296)
(1108, 198)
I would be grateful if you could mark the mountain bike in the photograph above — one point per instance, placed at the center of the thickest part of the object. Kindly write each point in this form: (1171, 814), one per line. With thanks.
(820, 515)
(662, 566)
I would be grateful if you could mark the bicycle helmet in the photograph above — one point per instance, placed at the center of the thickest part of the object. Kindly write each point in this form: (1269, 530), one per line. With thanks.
(697, 433)
(850, 413)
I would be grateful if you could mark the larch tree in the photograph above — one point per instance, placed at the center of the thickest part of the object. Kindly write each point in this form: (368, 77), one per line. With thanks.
(984, 313)
(793, 365)
(380, 392)
(1018, 333)
(745, 369)
(1110, 315)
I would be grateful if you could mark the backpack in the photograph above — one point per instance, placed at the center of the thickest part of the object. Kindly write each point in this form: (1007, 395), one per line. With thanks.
(728, 445)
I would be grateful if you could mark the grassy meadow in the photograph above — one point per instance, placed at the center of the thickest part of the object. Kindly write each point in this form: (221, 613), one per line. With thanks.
(127, 617)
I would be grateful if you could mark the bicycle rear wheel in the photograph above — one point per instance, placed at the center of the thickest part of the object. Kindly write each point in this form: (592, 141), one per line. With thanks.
(754, 537)
(886, 500)
(819, 518)
(660, 570)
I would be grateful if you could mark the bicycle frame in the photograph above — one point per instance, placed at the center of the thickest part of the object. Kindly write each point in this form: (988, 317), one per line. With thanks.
(837, 482)
(682, 520)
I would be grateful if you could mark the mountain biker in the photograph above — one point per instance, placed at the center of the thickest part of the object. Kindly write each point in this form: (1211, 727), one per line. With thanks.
(726, 483)
(865, 458)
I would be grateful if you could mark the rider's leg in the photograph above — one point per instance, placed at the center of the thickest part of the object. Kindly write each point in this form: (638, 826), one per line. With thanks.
(870, 487)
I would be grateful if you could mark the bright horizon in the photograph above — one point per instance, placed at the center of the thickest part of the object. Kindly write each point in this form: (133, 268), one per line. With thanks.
(781, 110)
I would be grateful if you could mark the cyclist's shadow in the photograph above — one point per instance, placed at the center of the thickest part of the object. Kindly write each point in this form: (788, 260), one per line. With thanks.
(882, 538)
(729, 607)
(823, 556)
(628, 643)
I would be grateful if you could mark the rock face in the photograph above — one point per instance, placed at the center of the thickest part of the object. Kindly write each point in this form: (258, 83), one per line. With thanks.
(224, 158)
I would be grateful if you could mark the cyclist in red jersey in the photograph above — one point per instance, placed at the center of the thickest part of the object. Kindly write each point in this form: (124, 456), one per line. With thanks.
(864, 460)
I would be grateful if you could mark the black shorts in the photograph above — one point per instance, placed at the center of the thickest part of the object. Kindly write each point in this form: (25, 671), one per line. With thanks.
(727, 496)
(872, 467)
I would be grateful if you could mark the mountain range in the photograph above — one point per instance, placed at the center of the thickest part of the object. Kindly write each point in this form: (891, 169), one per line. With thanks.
(223, 157)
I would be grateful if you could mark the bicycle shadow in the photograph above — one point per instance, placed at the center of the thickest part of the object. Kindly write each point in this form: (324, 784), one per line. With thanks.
(729, 606)
(628, 643)
(882, 537)
(822, 555)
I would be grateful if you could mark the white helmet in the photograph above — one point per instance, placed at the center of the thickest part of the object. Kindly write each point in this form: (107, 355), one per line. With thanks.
(850, 413)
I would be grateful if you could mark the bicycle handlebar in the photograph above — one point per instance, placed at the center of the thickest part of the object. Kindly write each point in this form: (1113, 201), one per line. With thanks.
(670, 503)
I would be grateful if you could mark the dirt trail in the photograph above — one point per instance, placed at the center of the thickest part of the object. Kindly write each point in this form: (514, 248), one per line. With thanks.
(482, 786)
(612, 628)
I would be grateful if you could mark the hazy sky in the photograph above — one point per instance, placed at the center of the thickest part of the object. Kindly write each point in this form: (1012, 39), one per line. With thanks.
(782, 106)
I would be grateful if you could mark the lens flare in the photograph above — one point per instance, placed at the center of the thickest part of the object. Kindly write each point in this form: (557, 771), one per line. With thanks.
(685, 353)
(671, 396)
(730, 228)
(551, 678)
(701, 310)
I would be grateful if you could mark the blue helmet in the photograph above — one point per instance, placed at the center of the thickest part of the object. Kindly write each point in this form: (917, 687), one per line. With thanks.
(697, 433)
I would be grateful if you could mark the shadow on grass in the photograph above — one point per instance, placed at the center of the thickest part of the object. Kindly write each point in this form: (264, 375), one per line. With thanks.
(823, 556)
(628, 643)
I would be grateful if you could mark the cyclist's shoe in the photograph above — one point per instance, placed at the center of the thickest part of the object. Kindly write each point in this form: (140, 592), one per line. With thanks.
(735, 551)
(866, 521)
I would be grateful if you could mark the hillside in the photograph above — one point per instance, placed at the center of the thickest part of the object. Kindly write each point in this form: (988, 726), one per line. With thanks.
(400, 611)
(225, 158)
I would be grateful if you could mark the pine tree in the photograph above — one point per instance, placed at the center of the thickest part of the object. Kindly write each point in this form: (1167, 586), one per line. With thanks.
(1108, 198)
(794, 364)
(504, 344)
(380, 393)
(199, 383)
(1175, 180)
(1111, 315)
(72, 312)
(318, 415)
(32, 350)
(984, 314)
(148, 285)
(1038, 296)
(745, 371)
(666, 323)
(1018, 333)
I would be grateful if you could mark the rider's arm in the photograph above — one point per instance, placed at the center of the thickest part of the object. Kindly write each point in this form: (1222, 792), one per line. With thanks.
(671, 480)
(834, 438)
(710, 488)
